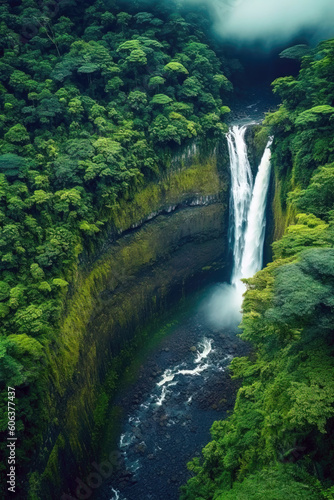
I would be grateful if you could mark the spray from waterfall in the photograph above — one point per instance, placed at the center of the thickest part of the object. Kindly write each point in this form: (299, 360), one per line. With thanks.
(246, 227)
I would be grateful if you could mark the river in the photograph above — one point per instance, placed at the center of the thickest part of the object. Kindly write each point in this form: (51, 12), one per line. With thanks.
(184, 383)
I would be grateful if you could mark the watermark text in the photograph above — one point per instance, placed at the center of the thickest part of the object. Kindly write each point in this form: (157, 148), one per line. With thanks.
(11, 445)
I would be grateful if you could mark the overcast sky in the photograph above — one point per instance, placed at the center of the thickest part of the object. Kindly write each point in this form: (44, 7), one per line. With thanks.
(272, 21)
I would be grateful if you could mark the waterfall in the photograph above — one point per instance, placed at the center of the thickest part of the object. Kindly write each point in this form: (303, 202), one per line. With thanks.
(247, 208)
(241, 194)
(252, 259)
(246, 227)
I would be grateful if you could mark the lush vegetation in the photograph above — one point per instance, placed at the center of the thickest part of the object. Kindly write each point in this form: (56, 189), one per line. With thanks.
(93, 95)
(279, 441)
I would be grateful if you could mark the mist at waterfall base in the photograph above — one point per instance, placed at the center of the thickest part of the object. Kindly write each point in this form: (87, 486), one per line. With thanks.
(247, 229)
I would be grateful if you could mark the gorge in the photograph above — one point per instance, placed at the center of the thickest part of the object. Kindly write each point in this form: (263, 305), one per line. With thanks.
(173, 418)
(148, 208)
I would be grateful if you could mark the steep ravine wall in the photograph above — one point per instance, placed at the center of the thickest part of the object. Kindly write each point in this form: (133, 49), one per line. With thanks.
(165, 242)
(283, 212)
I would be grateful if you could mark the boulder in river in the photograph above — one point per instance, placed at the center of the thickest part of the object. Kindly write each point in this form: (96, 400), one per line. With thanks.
(141, 448)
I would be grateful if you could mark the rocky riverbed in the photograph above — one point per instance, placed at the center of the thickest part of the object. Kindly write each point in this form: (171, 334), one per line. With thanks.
(182, 387)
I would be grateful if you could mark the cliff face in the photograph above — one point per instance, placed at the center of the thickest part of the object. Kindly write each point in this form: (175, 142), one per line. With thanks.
(165, 242)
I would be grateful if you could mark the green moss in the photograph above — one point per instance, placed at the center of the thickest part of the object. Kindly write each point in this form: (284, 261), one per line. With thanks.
(51, 473)
(201, 179)
(100, 414)
(284, 213)
(261, 135)
(34, 486)
(79, 353)
(125, 368)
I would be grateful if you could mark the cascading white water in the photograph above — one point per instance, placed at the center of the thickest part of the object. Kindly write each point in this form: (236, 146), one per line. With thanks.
(241, 193)
(246, 227)
(252, 258)
(247, 209)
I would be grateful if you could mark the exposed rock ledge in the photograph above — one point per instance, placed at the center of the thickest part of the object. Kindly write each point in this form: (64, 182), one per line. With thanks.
(179, 241)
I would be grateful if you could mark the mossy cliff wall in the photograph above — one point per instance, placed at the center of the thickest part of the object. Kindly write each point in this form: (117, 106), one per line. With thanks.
(177, 240)
(283, 212)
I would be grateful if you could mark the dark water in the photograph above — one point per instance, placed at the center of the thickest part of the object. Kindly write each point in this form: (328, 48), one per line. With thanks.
(182, 388)
(251, 106)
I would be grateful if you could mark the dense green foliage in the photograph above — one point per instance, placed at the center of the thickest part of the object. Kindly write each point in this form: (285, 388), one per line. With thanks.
(278, 443)
(295, 52)
(92, 98)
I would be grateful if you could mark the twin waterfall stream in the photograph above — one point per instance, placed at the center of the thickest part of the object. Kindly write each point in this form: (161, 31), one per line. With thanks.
(167, 421)
(247, 210)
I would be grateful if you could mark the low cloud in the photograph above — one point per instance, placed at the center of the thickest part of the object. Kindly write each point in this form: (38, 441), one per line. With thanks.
(271, 22)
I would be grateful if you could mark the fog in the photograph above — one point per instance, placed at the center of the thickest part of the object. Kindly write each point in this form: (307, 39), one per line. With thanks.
(222, 307)
(272, 22)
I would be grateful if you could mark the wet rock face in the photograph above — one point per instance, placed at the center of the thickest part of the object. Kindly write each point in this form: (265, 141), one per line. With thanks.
(136, 276)
(151, 270)
(154, 267)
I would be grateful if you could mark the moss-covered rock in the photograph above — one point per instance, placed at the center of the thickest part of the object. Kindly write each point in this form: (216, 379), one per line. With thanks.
(134, 276)
(256, 139)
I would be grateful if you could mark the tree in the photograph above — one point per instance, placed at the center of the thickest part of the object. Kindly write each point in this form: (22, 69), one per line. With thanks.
(144, 17)
(191, 87)
(49, 109)
(224, 110)
(12, 164)
(211, 123)
(75, 107)
(161, 99)
(114, 84)
(318, 197)
(108, 19)
(123, 19)
(137, 58)
(17, 135)
(4, 290)
(223, 83)
(63, 29)
(176, 68)
(295, 52)
(137, 100)
(22, 82)
(156, 81)
(318, 114)
(36, 272)
(175, 128)
(129, 45)
(290, 90)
